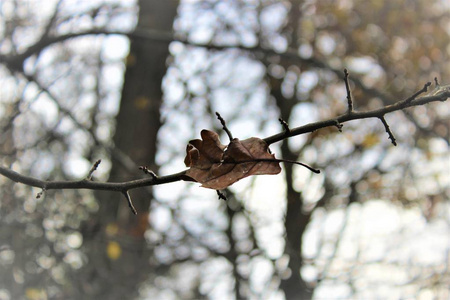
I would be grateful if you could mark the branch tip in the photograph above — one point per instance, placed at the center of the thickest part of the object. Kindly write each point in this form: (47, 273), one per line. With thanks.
(423, 90)
(221, 195)
(93, 169)
(148, 172)
(285, 125)
(349, 93)
(130, 203)
(436, 81)
(39, 195)
(224, 126)
(339, 125)
(388, 130)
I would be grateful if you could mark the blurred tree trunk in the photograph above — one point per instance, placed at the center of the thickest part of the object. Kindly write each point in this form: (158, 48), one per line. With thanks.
(115, 244)
(295, 224)
(296, 219)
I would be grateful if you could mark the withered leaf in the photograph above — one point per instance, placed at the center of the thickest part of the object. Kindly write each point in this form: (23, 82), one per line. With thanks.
(217, 166)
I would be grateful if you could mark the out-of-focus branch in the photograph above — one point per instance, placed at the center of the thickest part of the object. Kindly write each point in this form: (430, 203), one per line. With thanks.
(118, 155)
(15, 62)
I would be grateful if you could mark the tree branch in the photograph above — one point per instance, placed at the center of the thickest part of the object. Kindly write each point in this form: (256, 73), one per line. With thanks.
(91, 185)
(355, 115)
(224, 126)
(130, 203)
(388, 131)
(93, 169)
(125, 187)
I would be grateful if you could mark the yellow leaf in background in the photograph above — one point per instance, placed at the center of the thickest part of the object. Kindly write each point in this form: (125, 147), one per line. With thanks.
(370, 140)
(113, 250)
(112, 229)
(35, 294)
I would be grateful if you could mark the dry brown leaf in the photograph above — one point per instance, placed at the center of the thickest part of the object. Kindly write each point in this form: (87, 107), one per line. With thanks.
(217, 166)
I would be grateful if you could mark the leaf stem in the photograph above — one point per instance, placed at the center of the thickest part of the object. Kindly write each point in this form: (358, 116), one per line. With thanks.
(272, 160)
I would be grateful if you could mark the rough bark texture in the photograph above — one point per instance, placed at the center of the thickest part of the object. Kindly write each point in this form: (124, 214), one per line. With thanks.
(137, 126)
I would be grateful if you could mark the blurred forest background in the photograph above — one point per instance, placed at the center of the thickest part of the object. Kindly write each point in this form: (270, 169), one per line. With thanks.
(131, 82)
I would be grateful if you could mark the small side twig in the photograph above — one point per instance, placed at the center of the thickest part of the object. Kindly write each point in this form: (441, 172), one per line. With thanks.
(130, 203)
(39, 195)
(388, 130)
(339, 125)
(148, 172)
(285, 125)
(224, 126)
(349, 93)
(92, 170)
(221, 195)
(423, 90)
(436, 81)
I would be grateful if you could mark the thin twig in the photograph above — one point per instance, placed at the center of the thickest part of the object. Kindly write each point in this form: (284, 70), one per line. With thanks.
(436, 81)
(92, 170)
(414, 96)
(224, 126)
(39, 195)
(349, 93)
(148, 172)
(221, 195)
(388, 130)
(130, 203)
(285, 125)
(339, 126)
